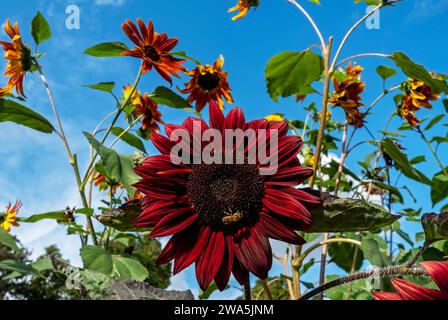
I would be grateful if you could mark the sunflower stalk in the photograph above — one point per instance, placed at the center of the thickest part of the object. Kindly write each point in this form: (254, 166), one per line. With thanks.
(433, 152)
(89, 170)
(72, 157)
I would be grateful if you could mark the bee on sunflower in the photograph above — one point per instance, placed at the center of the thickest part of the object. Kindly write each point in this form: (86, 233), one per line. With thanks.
(208, 83)
(417, 94)
(9, 218)
(347, 94)
(19, 60)
(243, 6)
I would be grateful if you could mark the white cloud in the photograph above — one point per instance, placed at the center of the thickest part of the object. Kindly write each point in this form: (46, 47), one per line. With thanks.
(429, 8)
(109, 2)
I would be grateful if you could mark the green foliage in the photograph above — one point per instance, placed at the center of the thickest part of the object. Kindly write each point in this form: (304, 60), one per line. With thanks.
(292, 73)
(102, 86)
(418, 72)
(342, 254)
(11, 111)
(167, 97)
(40, 29)
(120, 168)
(347, 215)
(435, 227)
(97, 259)
(439, 188)
(107, 49)
(129, 138)
(7, 240)
(386, 72)
(402, 162)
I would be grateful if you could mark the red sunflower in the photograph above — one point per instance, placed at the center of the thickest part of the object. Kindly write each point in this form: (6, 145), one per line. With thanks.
(220, 216)
(408, 291)
(153, 48)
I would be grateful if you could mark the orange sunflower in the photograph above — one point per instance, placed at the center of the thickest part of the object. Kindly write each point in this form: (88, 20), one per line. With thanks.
(243, 6)
(208, 83)
(146, 108)
(153, 48)
(9, 218)
(347, 95)
(417, 94)
(19, 59)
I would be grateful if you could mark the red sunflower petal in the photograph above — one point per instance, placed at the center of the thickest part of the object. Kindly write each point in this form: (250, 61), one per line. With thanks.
(217, 118)
(163, 144)
(277, 230)
(174, 223)
(210, 260)
(439, 273)
(289, 176)
(410, 291)
(240, 273)
(254, 252)
(386, 296)
(235, 119)
(223, 275)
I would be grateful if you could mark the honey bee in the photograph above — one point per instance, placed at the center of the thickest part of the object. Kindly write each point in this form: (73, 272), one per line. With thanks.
(231, 217)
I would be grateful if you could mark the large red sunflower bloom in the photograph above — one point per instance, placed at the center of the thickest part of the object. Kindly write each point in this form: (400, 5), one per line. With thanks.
(153, 48)
(220, 216)
(408, 291)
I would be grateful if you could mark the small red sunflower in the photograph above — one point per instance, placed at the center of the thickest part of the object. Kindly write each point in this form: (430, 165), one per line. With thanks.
(220, 216)
(19, 59)
(243, 6)
(408, 291)
(9, 218)
(153, 48)
(208, 83)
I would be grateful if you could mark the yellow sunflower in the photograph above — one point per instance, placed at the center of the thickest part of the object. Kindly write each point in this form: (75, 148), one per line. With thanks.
(243, 6)
(274, 118)
(19, 59)
(348, 95)
(9, 218)
(208, 83)
(417, 94)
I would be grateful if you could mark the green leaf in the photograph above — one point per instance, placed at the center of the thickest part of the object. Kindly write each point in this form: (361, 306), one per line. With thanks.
(369, 2)
(102, 86)
(56, 215)
(386, 72)
(445, 104)
(392, 134)
(402, 162)
(119, 167)
(439, 188)
(16, 266)
(97, 259)
(128, 269)
(373, 253)
(434, 121)
(107, 50)
(129, 138)
(123, 218)
(342, 254)
(167, 97)
(11, 111)
(184, 55)
(348, 215)
(8, 240)
(292, 73)
(86, 211)
(40, 29)
(435, 226)
(418, 72)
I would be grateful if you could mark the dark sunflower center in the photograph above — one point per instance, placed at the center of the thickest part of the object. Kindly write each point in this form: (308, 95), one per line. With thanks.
(226, 196)
(208, 81)
(152, 53)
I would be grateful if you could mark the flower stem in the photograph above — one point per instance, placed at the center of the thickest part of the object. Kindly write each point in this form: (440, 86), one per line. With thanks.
(362, 55)
(247, 292)
(72, 158)
(266, 290)
(433, 152)
(388, 271)
(313, 24)
(114, 121)
(323, 114)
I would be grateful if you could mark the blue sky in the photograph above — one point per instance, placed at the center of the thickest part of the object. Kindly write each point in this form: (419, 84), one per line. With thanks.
(33, 166)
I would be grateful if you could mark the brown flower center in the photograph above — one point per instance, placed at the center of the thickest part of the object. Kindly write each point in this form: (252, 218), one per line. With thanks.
(226, 196)
(208, 81)
(152, 53)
